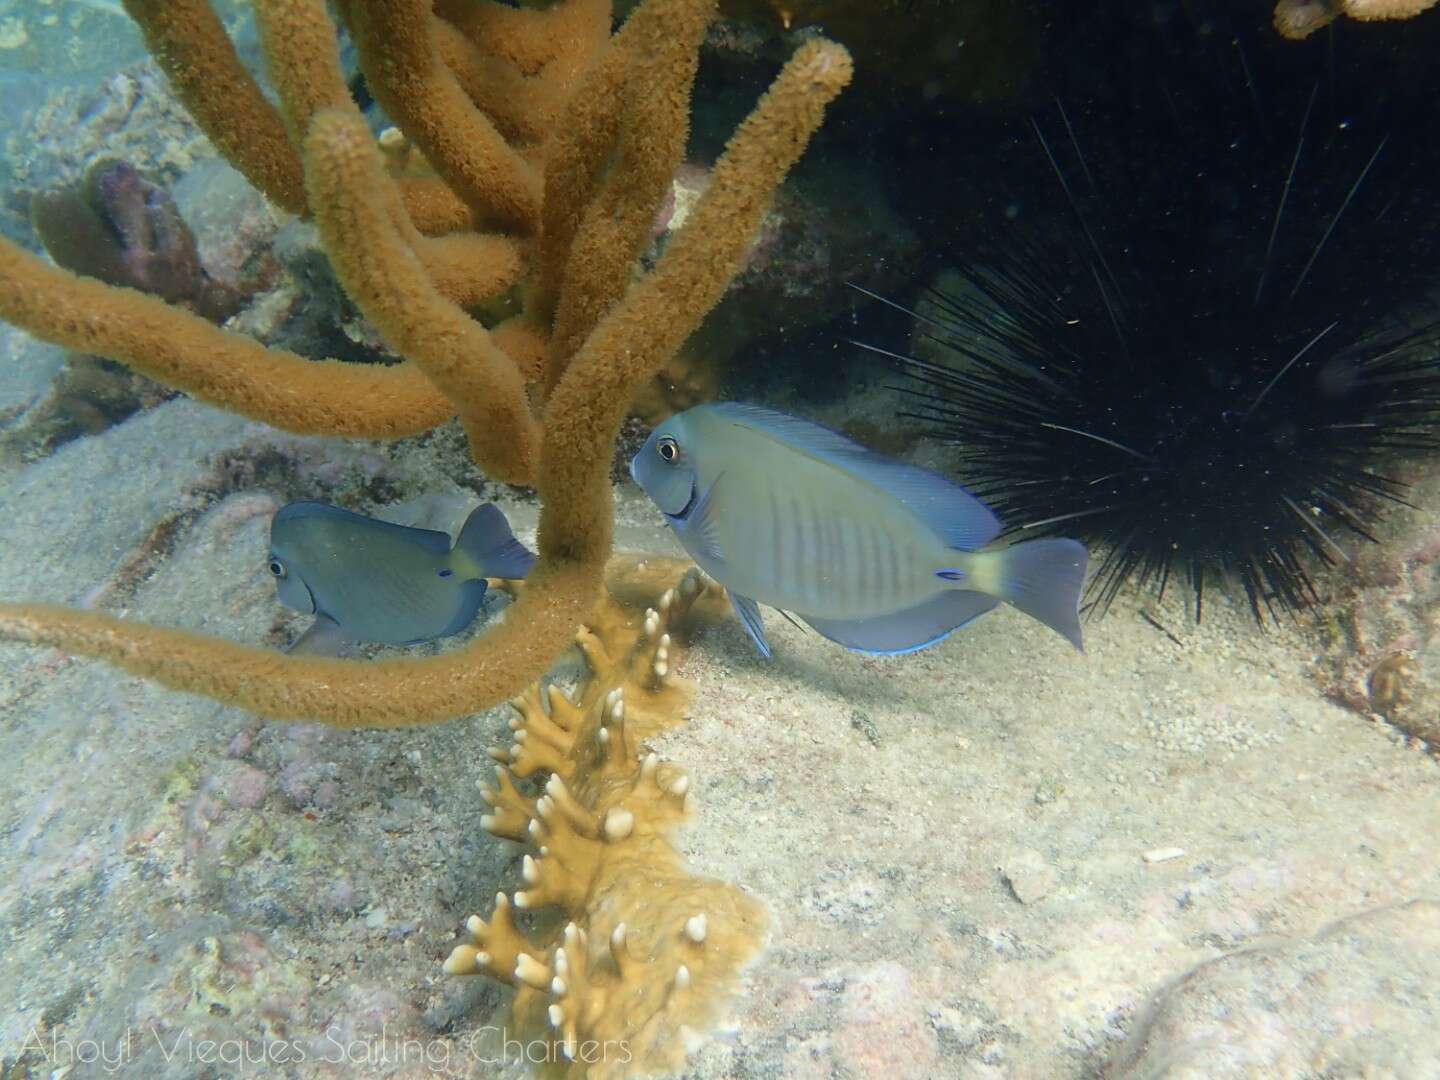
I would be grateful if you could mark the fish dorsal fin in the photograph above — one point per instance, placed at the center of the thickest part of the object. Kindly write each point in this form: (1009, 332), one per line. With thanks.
(437, 543)
(960, 519)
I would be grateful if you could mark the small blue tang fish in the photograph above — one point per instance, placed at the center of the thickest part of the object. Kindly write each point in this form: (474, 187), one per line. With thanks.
(369, 580)
(877, 555)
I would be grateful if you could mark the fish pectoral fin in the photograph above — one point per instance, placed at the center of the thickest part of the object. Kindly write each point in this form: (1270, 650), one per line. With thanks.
(908, 630)
(472, 596)
(748, 612)
(701, 525)
(323, 638)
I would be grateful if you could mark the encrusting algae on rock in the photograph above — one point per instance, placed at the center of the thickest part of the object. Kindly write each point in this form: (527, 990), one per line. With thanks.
(647, 950)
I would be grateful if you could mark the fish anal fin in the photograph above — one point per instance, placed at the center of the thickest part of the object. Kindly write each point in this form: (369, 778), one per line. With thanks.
(748, 612)
(909, 630)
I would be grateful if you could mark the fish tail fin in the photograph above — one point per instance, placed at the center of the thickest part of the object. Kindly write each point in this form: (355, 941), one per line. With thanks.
(487, 542)
(1045, 579)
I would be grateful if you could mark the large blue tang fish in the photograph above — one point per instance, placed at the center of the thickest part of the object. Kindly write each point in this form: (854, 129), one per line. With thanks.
(369, 580)
(877, 555)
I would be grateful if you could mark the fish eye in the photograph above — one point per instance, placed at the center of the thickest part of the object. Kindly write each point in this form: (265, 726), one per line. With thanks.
(668, 449)
(277, 568)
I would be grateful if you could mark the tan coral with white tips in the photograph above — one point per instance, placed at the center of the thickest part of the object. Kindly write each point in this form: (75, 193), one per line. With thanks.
(649, 952)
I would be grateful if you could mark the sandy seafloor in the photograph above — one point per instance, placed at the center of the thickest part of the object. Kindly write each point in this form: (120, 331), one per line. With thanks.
(952, 845)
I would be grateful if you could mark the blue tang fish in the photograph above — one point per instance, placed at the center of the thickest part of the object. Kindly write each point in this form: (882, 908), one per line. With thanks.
(875, 554)
(369, 580)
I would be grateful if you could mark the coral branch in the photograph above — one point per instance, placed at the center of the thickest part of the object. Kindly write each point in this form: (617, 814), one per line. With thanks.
(303, 59)
(345, 693)
(530, 39)
(225, 369)
(661, 311)
(468, 268)
(585, 133)
(409, 79)
(520, 66)
(659, 48)
(497, 949)
(191, 47)
(386, 279)
(432, 206)
(304, 62)
(513, 811)
(493, 86)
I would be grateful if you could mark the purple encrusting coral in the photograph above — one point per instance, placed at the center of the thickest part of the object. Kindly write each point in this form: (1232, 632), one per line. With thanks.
(119, 227)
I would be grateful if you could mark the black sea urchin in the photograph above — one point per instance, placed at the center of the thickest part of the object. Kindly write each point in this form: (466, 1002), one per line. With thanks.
(1203, 370)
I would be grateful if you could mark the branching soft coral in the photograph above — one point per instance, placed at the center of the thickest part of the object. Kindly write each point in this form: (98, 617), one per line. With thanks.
(570, 165)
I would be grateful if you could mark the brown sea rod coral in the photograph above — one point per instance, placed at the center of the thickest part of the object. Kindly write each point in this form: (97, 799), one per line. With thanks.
(547, 143)
(646, 949)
